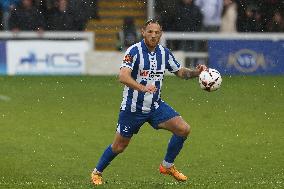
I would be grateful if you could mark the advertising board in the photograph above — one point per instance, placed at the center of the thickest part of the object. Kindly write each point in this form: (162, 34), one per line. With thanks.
(42, 57)
(247, 57)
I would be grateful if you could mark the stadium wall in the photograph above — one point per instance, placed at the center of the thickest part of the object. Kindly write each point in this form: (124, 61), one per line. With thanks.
(74, 54)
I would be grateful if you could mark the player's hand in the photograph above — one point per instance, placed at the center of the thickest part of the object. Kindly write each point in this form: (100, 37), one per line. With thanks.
(149, 89)
(201, 67)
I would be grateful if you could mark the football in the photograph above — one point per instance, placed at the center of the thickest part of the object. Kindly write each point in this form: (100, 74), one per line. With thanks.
(210, 80)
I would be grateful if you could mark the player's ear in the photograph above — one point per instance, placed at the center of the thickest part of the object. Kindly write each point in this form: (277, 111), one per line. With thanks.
(143, 32)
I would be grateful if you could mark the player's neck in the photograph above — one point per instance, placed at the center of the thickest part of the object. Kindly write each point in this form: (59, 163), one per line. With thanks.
(151, 49)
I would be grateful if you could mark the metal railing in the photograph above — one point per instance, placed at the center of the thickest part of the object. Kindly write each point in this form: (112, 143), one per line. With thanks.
(88, 36)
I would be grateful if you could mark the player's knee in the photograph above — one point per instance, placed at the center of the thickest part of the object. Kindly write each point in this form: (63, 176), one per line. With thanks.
(119, 148)
(188, 129)
(185, 131)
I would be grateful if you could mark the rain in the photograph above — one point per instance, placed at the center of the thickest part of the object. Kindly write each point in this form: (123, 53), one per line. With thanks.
(63, 95)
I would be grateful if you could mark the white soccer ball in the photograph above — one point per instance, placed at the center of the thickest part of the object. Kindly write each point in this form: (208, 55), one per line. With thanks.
(210, 80)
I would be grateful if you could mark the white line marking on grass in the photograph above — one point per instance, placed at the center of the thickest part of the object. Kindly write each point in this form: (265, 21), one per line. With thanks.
(4, 98)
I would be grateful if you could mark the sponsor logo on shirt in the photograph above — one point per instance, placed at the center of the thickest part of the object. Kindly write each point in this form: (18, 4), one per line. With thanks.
(156, 74)
(152, 75)
(128, 59)
(144, 73)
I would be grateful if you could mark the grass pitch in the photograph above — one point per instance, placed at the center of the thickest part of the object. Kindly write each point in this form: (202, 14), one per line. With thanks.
(54, 129)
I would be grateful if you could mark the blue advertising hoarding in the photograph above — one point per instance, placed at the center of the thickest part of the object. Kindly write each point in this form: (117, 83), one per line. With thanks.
(247, 57)
(3, 58)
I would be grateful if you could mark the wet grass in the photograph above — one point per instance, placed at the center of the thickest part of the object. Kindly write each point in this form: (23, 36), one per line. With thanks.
(54, 129)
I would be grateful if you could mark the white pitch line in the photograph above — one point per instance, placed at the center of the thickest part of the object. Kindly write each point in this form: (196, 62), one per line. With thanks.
(4, 98)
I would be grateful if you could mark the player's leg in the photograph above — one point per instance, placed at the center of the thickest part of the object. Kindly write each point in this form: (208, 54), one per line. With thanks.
(128, 124)
(118, 146)
(176, 125)
(167, 118)
(180, 130)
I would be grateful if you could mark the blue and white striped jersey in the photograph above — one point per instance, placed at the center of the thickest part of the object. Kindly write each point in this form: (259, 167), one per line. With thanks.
(147, 68)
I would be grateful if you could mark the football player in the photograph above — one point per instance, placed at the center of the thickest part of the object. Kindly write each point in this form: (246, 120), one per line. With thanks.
(142, 72)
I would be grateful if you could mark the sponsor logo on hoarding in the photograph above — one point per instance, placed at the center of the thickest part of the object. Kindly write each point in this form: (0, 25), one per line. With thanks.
(53, 60)
(247, 61)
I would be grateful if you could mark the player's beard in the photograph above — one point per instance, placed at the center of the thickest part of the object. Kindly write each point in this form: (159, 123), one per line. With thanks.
(152, 43)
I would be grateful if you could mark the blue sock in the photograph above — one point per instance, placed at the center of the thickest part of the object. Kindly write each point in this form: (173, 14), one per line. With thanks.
(106, 158)
(174, 147)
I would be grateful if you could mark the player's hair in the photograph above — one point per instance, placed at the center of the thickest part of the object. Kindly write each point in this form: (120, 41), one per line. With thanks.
(151, 21)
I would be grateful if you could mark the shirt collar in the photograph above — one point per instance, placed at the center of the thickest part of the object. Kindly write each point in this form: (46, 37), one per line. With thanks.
(145, 48)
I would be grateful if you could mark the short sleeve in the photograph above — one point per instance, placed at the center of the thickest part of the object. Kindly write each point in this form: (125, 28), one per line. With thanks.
(172, 65)
(129, 58)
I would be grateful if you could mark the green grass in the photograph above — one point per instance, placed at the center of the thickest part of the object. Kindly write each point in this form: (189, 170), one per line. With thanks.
(54, 129)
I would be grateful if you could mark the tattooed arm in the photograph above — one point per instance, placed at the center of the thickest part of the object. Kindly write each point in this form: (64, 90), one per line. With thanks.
(186, 73)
